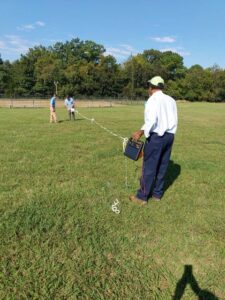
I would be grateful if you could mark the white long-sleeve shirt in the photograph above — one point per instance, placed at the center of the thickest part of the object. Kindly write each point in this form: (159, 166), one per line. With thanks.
(160, 115)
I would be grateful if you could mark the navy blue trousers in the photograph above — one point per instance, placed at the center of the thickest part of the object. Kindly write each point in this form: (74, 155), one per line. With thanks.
(157, 152)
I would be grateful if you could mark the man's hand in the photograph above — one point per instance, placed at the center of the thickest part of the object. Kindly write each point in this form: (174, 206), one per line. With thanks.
(137, 135)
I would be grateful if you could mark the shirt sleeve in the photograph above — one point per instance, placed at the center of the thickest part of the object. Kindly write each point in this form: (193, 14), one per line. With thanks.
(175, 112)
(150, 117)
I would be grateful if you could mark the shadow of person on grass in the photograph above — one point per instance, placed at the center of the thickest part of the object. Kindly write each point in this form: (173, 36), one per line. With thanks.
(172, 173)
(67, 120)
(188, 278)
(61, 121)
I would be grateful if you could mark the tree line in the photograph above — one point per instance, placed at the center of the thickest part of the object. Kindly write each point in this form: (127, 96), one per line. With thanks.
(82, 68)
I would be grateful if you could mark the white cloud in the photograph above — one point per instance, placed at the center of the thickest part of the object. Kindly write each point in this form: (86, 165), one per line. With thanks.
(17, 44)
(29, 27)
(121, 52)
(128, 48)
(2, 44)
(40, 23)
(13, 45)
(164, 39)
(178, 50)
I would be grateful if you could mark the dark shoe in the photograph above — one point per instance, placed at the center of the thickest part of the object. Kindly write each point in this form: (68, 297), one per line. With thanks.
(155, 198)
(137, 200)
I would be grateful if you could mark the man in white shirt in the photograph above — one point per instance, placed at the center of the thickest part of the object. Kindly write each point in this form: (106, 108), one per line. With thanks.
(159, 129)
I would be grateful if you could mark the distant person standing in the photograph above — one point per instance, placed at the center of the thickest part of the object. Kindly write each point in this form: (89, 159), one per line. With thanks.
(53, 118)
(69, 104)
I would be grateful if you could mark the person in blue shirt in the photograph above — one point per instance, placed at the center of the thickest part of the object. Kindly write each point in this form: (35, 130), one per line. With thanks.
(53, 117)
(69, 104)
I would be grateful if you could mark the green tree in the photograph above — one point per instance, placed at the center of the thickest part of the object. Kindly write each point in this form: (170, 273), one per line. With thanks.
(4, 76)
(140, 68)
(218, 83)
(135, 77)
(106, 77)
(167, 64)
(198, 84)
(22, 75)
(47, 71)
(78, 52)
(82, 69)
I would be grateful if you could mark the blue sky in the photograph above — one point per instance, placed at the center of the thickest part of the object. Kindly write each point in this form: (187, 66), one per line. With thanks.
(192, 28)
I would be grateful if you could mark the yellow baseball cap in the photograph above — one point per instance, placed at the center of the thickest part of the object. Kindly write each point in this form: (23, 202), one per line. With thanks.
(157, 81)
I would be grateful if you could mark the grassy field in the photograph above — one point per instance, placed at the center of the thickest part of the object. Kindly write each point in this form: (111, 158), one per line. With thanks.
(60, 238)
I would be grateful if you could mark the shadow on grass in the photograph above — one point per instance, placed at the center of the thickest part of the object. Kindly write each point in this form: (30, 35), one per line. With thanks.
(79, 119)
(188, 278)
(173, 172)
(61, 121)
(67, 120)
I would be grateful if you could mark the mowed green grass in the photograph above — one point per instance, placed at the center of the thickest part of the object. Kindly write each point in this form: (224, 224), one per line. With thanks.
(60, 238)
